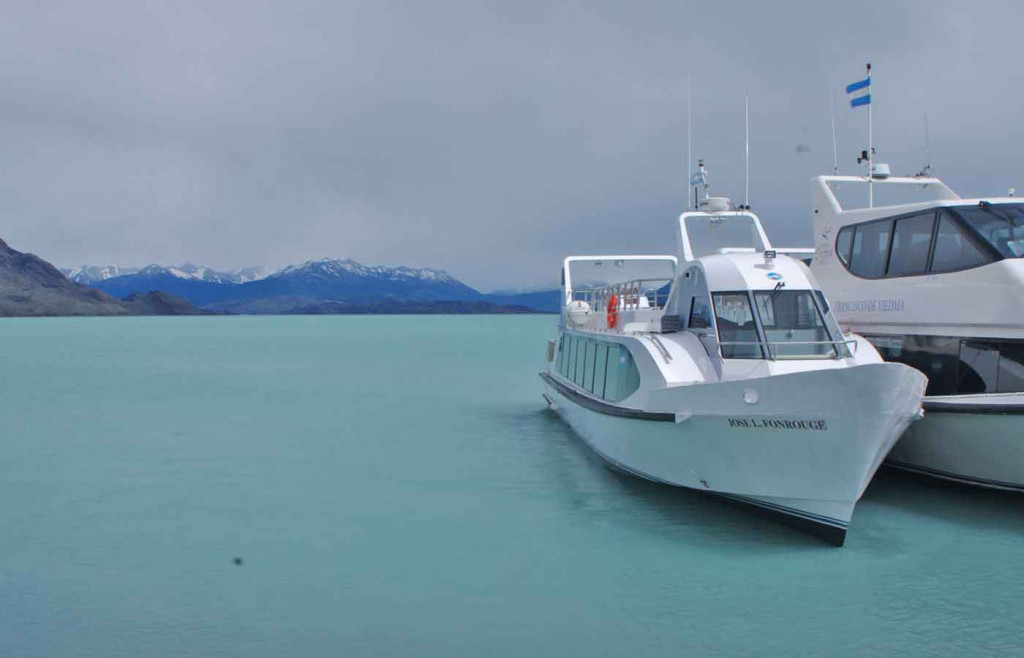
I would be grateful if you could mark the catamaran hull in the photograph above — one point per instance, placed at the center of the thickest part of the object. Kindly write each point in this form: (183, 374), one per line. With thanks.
(802, 445)
(976, 440)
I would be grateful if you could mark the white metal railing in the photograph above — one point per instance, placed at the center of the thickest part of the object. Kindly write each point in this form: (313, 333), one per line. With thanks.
(646, 294)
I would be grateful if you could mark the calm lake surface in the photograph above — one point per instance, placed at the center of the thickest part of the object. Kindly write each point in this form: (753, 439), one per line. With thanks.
(395, 487)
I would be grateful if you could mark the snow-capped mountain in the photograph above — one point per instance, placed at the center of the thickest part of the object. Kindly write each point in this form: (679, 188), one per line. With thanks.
(333, 268)
(326, 280)
(87, 275)
(92, 274)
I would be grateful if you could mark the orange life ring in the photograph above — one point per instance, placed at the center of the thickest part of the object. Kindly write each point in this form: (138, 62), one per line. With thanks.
(613, 311)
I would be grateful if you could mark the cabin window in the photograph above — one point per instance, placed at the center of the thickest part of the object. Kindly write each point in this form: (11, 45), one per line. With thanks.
(954, 249)
(737, 331)
(844, 242)
(600, 369)
(570, 366)
(611, 384)
(628, 376)
(793, 327)
(581, 361)
(865, 248)
(870, 247)
(588, 379)
(700, 314)
(605, 369)
(911, 240)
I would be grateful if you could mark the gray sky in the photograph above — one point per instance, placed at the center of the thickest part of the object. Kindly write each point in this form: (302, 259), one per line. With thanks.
(489, 139)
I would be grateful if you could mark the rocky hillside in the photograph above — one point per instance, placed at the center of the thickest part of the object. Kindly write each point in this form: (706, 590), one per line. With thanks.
(30, 286)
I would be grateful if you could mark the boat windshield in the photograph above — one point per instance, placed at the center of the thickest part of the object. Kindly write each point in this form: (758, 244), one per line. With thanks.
(793, 326)
(709, 235)
(1002, 225)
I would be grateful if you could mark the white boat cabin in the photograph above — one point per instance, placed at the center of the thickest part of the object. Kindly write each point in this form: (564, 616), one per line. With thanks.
(933, 280)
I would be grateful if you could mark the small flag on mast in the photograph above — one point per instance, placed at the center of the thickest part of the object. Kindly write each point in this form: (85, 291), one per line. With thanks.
(864, 99)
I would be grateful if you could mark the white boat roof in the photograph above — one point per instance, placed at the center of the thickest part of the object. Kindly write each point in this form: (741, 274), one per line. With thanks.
(751, 271)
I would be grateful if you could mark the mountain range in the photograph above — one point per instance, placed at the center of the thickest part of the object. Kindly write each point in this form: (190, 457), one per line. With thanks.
(90, 275)
(315, 286)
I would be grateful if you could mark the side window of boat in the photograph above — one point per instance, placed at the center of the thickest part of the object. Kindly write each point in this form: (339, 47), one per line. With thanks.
(622, 378)
(870, 247)
(581, 356)
(600, 369)
(954, 249)
(588, 378)
(700, 314)
(910, 243)
(844, 243)
(611, 384)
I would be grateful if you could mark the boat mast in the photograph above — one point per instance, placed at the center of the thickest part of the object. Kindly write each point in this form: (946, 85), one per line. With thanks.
(871, 149)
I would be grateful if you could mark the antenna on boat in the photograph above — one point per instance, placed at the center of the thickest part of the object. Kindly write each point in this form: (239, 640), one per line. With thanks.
(832, 112)
(927, 150)
(746, 154)
(688, 126)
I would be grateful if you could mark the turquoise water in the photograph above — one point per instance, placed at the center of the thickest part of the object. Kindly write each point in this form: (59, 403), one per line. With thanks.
(395, 487)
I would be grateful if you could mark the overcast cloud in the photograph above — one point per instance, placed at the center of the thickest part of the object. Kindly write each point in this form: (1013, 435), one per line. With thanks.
(489, 139)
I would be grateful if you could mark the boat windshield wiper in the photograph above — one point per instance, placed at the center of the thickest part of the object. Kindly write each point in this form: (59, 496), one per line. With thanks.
(776, 290)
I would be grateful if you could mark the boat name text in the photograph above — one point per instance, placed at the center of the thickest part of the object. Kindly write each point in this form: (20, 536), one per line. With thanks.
(870, 306)
(769, 423)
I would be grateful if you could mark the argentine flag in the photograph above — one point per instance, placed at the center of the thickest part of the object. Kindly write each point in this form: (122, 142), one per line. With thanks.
(864, 99)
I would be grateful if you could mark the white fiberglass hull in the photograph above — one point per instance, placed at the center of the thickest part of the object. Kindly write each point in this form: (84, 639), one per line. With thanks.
(973, 439)
(806, 447)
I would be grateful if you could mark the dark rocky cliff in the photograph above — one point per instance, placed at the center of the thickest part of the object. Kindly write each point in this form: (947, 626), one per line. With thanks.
(30, 286)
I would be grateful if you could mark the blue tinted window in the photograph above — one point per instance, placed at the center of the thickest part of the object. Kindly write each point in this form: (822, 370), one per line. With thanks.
(910, 243)
(600, 368)
(955, 250)
(870, 246)
(581, 355)
(588, 381)
(844, 242)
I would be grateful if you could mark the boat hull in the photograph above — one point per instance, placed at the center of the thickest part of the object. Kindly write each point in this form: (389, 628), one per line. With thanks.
(771, 453)
(971, 439)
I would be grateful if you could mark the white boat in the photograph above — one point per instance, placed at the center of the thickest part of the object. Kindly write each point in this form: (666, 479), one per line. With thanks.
(722, 369)
(936, 282)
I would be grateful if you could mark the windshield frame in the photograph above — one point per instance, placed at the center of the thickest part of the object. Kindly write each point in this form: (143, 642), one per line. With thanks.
(769, 349)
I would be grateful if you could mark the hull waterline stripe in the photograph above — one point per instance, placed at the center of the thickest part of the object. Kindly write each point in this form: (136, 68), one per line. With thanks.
(945, 407)
(946, 475)
(782, 509)
(774, 507)
(602, 407)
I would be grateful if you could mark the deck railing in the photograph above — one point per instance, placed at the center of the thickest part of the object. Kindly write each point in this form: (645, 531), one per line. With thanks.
(647, 294)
